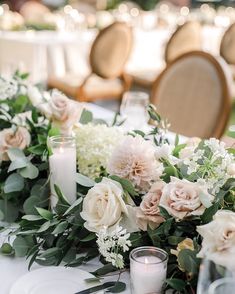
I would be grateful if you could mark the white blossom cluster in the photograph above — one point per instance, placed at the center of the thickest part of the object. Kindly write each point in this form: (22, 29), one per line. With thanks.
(210, 164)
(112, 244)
(95, 144)
(8, 88)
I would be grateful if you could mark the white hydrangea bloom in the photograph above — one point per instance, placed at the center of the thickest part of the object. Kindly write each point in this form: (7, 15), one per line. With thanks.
(210, 163)
(112, 243)
(95, 144)
(8, 88)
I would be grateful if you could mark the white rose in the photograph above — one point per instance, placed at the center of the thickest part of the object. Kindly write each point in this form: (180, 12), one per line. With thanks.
(35, 96)
(103, 205)
(219, 239)
(182, 198)
(19, 138)
(63, 112)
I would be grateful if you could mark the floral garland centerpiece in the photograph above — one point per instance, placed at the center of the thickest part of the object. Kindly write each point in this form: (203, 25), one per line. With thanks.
(134, 189)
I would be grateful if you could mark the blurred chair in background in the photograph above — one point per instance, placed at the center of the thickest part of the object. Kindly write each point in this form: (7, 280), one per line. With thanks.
(227, 47)
(33, 11)
(186, 38)
(193, 94)
(108, 56)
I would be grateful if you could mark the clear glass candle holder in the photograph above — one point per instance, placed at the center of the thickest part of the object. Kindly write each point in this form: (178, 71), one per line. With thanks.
(222, 286)
(134, 110)
(63, 167)
(148, 267)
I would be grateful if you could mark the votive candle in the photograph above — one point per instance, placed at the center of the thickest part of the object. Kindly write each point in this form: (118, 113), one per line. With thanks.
(148, 266)
(62, 163)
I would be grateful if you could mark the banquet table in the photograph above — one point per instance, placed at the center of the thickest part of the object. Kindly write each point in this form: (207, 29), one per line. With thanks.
(55, 53)
(12, 268)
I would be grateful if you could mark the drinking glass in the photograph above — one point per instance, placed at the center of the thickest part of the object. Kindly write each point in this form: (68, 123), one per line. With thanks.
(210, 272)
(222, 286)
(134, 110)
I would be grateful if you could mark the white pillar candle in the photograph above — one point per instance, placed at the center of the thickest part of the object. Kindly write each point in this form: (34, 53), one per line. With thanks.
(148, 270)
(63, 168)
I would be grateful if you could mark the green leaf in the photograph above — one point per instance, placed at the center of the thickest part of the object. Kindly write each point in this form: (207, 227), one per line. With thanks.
(61, 196)
(177, 149)
(32, 218)
(209, 213)
(74, 205)
(126, 185)
(18, 163)
(176, 284)
(9, 211)
(50, 252)
(44, 227)
(60, 228)
(15, 154)
(54, 132)
(14, 183)
(20, 246)
(86, 117)
(84, 181)
(46, 214)
(118, 287)
(164, 213)
(32, 202)
(30, 171)
(188, 261)
(2, 216)
(108, 268)
(37, 149)
(88, 238)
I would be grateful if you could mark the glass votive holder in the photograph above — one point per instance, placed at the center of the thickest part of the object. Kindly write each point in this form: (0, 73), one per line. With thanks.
(222, 286)
(148, 266)
(134, 110)
(63, 167)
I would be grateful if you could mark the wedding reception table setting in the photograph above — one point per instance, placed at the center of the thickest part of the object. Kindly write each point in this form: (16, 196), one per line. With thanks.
(129, 190)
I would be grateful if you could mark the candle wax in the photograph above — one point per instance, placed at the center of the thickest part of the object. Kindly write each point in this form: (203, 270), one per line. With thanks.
(63, 173)
(148, 274)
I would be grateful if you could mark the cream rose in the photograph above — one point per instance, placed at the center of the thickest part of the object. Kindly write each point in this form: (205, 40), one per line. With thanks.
(63, 112)
(182, 198)
(148, 214)
(19, 138)
(103, 205)
(35, 96)
(219, 239)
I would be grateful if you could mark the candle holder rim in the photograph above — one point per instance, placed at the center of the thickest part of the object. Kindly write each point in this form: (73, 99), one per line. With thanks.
(149, 248)
(140, 94)
(219, 282)
(66, 137)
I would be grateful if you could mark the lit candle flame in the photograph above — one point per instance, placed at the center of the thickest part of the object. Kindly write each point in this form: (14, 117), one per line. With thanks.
(146, 260)
(61, 149)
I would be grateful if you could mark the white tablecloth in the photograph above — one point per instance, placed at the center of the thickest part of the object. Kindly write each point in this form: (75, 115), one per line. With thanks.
(45, 53)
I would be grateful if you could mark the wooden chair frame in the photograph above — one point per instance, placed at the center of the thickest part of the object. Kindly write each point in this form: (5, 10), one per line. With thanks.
(124, 77)
(178, 29)
(230, 28)
(227, 101)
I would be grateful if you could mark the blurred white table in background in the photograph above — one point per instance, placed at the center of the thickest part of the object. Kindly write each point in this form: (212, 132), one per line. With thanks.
(44, 53)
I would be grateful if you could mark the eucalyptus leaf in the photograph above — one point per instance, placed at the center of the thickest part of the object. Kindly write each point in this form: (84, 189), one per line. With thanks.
(46, 214)
(84, 181)
(15, 154)
(176, 284)
(32, 217)
(20, 246)
(44, 227)
(60, 228)
(74, 205)
(18, 163)
(14, 183)
(86, 117)
(30, 171)
(118, 287)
